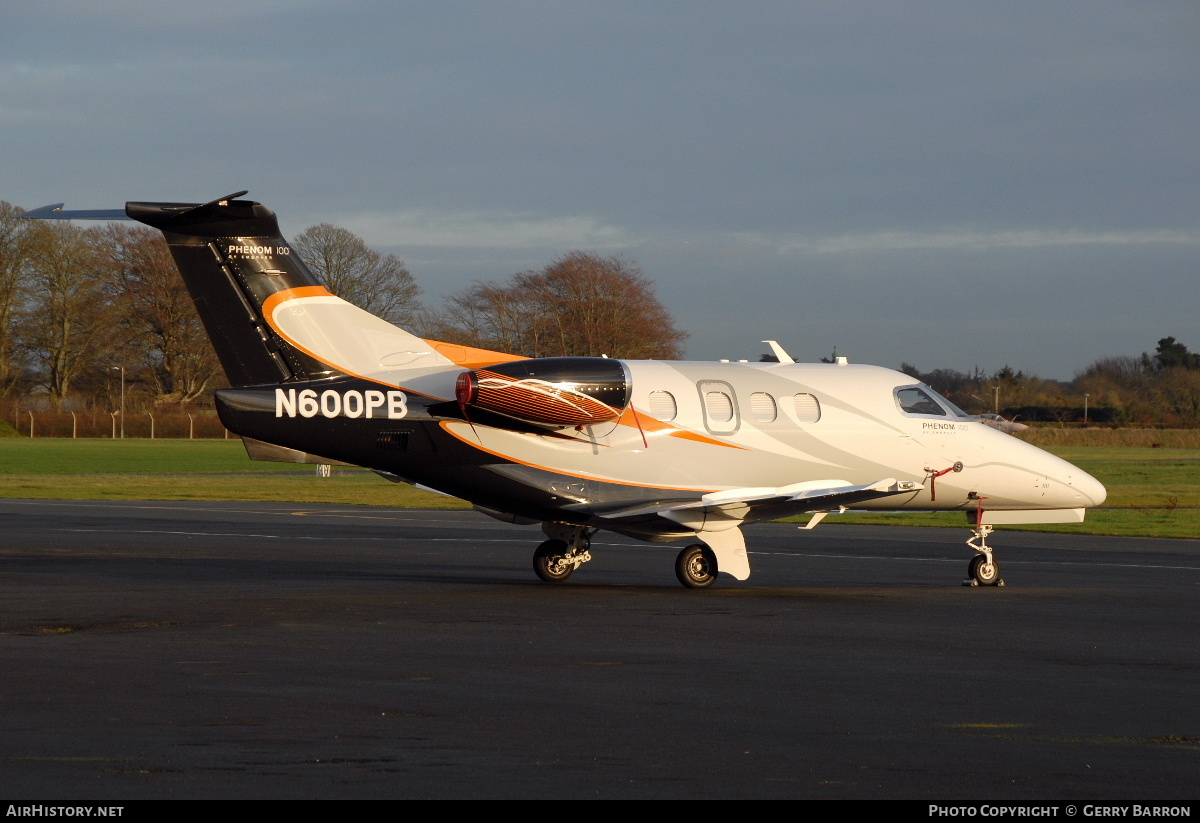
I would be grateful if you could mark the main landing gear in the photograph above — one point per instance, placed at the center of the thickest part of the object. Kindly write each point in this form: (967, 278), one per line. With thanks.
(555, 560)
(566, 550)
(696, 567)
(983, 570)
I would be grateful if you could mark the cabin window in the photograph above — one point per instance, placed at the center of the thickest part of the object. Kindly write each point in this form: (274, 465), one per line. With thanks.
(762, 407)
(721, 414)
(662, 405)
(808, 408)
(719, 406)
(915, 400)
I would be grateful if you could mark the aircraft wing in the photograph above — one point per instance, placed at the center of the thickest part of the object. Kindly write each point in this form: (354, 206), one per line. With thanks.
(715, 517)
(724, 509)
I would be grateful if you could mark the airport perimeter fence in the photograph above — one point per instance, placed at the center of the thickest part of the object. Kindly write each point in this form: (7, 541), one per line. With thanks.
(195, 425)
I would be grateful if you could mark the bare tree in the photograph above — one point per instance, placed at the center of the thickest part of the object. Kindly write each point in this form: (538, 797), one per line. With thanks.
(13, 271)
(162, 327)
(68, 323)
(1126, 384)
(379, 283)
(489, 316)
(582, 304)
(1180, 391)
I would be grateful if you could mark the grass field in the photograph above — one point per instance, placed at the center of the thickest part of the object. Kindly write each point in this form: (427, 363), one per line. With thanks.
(1152, 492)
(186, 470)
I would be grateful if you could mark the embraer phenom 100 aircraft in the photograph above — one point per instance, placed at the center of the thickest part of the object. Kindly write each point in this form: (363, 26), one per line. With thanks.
(660, 451)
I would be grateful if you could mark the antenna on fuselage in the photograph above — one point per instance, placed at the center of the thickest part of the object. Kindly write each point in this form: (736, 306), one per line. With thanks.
(778, 351)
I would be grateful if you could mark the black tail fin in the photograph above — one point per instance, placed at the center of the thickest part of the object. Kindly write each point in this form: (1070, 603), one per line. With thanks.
(232, 258)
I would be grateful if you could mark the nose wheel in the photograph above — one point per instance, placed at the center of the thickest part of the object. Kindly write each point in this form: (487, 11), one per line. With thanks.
(983, 570)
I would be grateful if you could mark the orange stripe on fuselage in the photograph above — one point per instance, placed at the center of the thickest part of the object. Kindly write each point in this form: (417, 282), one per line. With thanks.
(472, 358)
(684, 434)
(477, 445)
(269, 305)
(635, 419)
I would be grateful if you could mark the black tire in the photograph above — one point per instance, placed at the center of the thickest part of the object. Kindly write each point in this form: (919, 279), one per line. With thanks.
(548, 562)
(983, 572)
(696, 567)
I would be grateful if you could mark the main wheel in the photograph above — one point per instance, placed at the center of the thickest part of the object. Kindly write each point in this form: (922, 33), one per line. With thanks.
(696, 567)
(550, 563)
(983, 572)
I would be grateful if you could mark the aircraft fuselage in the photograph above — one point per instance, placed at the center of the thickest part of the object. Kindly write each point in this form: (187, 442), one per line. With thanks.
(700, 427)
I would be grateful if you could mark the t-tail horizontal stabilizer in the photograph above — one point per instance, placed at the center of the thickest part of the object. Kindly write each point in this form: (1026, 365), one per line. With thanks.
(55, 212)
(233, 259)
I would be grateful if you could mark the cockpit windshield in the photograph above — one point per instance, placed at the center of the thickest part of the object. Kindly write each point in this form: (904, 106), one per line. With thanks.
(925, 401)
(955, 411)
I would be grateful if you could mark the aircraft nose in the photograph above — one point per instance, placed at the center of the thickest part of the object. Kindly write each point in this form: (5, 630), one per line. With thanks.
(1069, 486)
(1038, 479)
(1091, 489)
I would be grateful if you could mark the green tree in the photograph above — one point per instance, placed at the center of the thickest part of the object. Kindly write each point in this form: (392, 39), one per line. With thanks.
(1171, 354)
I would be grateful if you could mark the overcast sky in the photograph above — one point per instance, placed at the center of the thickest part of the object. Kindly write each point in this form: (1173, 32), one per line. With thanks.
(948, 184)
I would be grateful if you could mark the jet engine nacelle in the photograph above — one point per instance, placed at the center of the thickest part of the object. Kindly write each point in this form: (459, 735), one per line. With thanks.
(549, 391)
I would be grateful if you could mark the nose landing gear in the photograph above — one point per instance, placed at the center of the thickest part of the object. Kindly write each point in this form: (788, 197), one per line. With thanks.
(983, 570)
